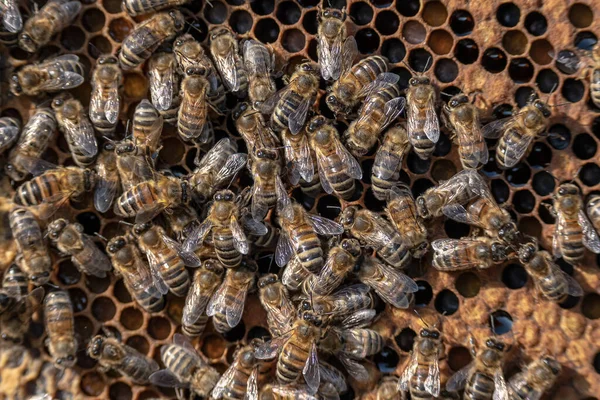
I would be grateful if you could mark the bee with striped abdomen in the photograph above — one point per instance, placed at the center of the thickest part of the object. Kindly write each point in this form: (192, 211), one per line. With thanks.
(133, 163)
(251, 125)
(77, 128)
(52, 18)
(265, 167)
(163, 81)
(60, 326)
(51, 75)
(137, 277)
(240, 381)
(573, 230)
(535, 380)
(206, 281)
(70, 240)
(140, 7)
(468, 252)
(388, 161)
(259, 61)
(421, 376)
(9, 132)
(294, 275)
(226, 306)
(34, 257)
(14, 284)
(225, 52)
(402, 212)
(422, 122)
(462, 118)
(182, 221)
(300, 160)
(275, 299)
(111, 354)
(337, 167)
(336, 50)
(147, 126)
(148, 36)
(341, 303)
(105, 100)
(108, 180)
(192, 122)
(483, 378)
(391, 285)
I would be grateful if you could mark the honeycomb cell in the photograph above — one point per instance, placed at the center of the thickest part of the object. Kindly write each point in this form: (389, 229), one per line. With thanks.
(442, 170)
(112, 6)
(288, 12)
(581, 15)
(213, 346)
(585, 40)
(120, 391)
(361, 13)
(417, 165)
(518, 175)
(329, 206)
(134, 86)
(420, 186)
(241, 21)
(159, 328)
(217, 13)
(408, 8)
(387, 22)
(559, 136)
(543, 183)
(79, 299)
(266, 30)
(93, 20)
(573, 90)
(405, 339)
(541, 52)
(424, 295)
(235, 334)
(103, 309)
(68, 274)
(458, 358)
(544, 212)
(547, 80)
(258, 332)
(540, 155)
(131, 318)
(84, 328)
(404, 75)
(308, 3)
(97, 285)
(596, 363)
(386, 360)
(446, 70)
(530, 226)
(309, 22)
(99, 45)
(468, 284)
(90, 221)
(420, 60)
(434, 13)
(590, 306)
(536, 23)
(501, 322)
(567, 62)
(440, 41)
(584, 146)
(293, 40)
(508, 14)
(514, 42)
(520, 70)
(466, 51)
(446, 302)
(494, 60)
(456, 230)
(140, 343)
(394, 50)
(414, 32)
(92, 384)
(462, 22)
(449, 91)
(514, 276)
(523, 201)
(367, 40)
(72, 38)
(381, 3)
(119, 29)
(590, 174)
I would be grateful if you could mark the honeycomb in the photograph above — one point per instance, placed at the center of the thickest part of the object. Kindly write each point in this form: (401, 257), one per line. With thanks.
(504, 49)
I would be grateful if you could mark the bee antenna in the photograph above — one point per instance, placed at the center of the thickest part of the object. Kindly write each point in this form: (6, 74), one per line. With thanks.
(108, 139)
(126, 223)
(409, 67)
(559, 105)
(446, 94)
(427, 64)
(421, 318)
(97, 49)
(100, 236)
(492, 325)
(192, 26)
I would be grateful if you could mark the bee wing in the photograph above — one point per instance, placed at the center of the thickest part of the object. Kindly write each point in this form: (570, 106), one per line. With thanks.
(432, 122)
(448, 247)
(322, 175)
(69, 11)
(557, 235)
(515, 150)
(269, 104)
(51, 205)
(590, 236)
(355, 369)
(349, 53)
(393, 109)
(258, 207)
(113, 104)
(61, 80)
(166, 378)
(149, 214)
(284, 204)
(253, 226)
(495, 129)
(311, 372)
(157, 278)
(161, 89)
(569, 61)
(83, 135)
(190, 259)
(354, 169)
(324, 226)
(227, 67)
(195, 304)
(254, 59)
(474, 134)
(459, 213)
(384, 79)
(409, 371)
(36, 166)
(358, 319)
(284, 251)
(394, 288)
(501, 391)
(227, 380)
(298, 116)
(271, 349)
(333, 376)
(213, 156)
(240, 242)
(432, 382)
(252, 385)
(300, 158)
(234, 163)
(12, 20)
(197, 236)
(330, 57)
(97, 258)
(217, 301)
(459, 379)
(8, 135)
(388, 162)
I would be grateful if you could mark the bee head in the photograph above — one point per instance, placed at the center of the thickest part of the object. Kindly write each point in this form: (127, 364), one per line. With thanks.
(139, 229)
(40, 278)
(15, 85)
(568, 189)
(312, 318)
(266, 154)
(420, 250)
(56, 227)
(527, 252)
(508, 232)
(494, 344)
(316, 123)
(109, 146)
(239, 110)
(308, 67)
(430, 336)
(218, 31)
(27, 43)
(178, 20)
(347, 217)
(195, 70)
(543, 107)
(267, 280)
(419, 80)
(457, 100)
(224, 195)
(213, 266)
(352, 246)
(552, 364)
(126, 146)
(95, 347)
(422, 208)
(65, 362)
(499, 252)
(115, 244)
(107, 59)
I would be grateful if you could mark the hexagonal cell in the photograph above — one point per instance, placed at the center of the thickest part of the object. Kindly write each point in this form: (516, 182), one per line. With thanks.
(440, 41)
(159, 328)
(543, 183)
(93, 20)
(573, 90)
(523, 201)
(520, 70)
(408, 8)
(514, 276)
(135, 86)
(442, 170)
(172, 151)
(541, 51)
(131, 318)
(103, 309)
(508, 14)
(559, 136)
(92, 384)
(394, 50)
(361, 13)
(367, 40)
(119, 29)
(216, 13)
(120, 391)
(501, 322)
(68, 274)
(241, 21)
(387, 22)
(446, 302)
(530, 226)
(518, 175)
(72, 38)
(414, 32)
(585, 40)
(293, 40)
(424, 295)
(458, 358)
(547, 81)
(590, 174)
(420, 60)
(288, 12)
(581, 15)
(434, 13)
(112, 6)
(536, 23)
(494, 60)
(266, 30)
(468, 284)
(84, 328)
(90, 221)
(446, 70)
(584, 146)
(590, 306)
(97, 285)
(462, 22)
(386, 360)
(514, 42)
(99, 45)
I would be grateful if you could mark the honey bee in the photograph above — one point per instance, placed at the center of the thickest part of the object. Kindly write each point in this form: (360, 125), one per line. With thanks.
(294, 274)
(34, 256)
(336, 50)
(163, 81)
(133, 164)
(391, 285)
(266, 170)
(224, 50)
(595, 76)
(148, 36)
(376, 232)
(482, 378)
(55, 16)
(275, 299)
(182, 221)
(259, 63)
(137, 277)
(240, 381)
(423, 126)
(77, 128)
(53, 75)
(252, 127)
(12, 21)
(298, 392)
(70, 240)
(105, 101)
(421, 377)
(337, 167)
(50, 190)
(388, 161)
(140, 7)
(147, 126)
(206, 280)
(107, 178)
(298, 235)
(218, 166)
(341, 259)
(60, 327)
(9, 132)
(114, 355)
(468, 252)
(33, 141)
(462, 118)
(192, 122)
(573, 229)
(365, 77)
(226, 306)
(289, 107)
(378, 110)
(517, 132)
(387, 389)
(402, 212)
(536, 379)
(14, 284)
(299, 160)
(459, 189)
(166, 258)
(185, 368)
(147, 199)
(341, 303)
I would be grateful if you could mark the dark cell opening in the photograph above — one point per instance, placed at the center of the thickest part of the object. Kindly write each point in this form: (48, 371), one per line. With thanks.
(93, 20)
(90, 221)
(68, 274)
(547, 80)
(217, 14)
(99, 45)
(434, 13)
(500, 190)
(387, 360)
(420, 186)
(120, 391)
(288, 12)
(466, 51)
(119, 29)
(443, 146)
(329, 206)
(468, 284)
(405, 339)
(585, 40)
(447, 93)
(79, 299)
(581, 15)
(394, 50)
(357, 191)
(372, 203)
(267, 30)
(523, 201)
(312, 51)
(544, 212)
(503, 111)
(309, 22)
(420, 60)
(443, 170)
(590, 174)
(103, 309)
(508, 14)
(404, 75)
(361, 13)
(97, 285)
(424, 295)
(446, 70)
(514, 42)
(514, 276)
(500, 322)
(387, 22)
(520, 70)
(540, 155)
(459, 357)
(348, 395)
(596, 127)
(522, 95)
(596, 363)
(414, 32)
(417, 165)
(235, 334)
(462, 22)
(367, 167)
(408, 8)
(446, 302)
(263, 7)
(258, 332)
(543, 183)
(518, 175)
(241, 21)
(584, 146)
(367, 40)
(121, 293)
(530, 226)
(559, 136)
(494, 60)
(293, 40)
(573, 90)
(541, 51)
(131, 318)
(536, 23)
(309, 3)
(456, 230)
(590, 306)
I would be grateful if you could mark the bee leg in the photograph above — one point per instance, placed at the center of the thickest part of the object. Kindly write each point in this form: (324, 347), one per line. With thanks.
(103, 368)
(550, 209)
(473, 346)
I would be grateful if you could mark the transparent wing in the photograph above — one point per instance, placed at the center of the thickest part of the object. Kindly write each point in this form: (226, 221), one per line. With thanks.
(394, 287)
(12, 20)
(190, 259)
(358, 319)
(211, 159)
(298, 154)
(97, 258)
(432, 383)
(298, 116)
(311, 372)
(197, 236)
(459, 379)
(161, 88)
(388, 162)
(258, 206)
(284, 204)
(253, 226)
(8, 134)
(451, 248)
(195, 304)
(515, 150)
(495, 129)
(159, 281)
(61, 80)
(240, 242)
(226, 381)
(268, 105)
(324, 226)
(355, 369)
(51, 205)
(501, 391)
(36, 166)
(557, 235)
(393, 109)
(322, 167)
(166, 378)
(384, 79)
(216, 304)
(82, 135)
(106, 191)
(227, 67)
(432, 122)
(349, 53)
(256, 57)
(271, 348)
(113, 104)
(353, 168)
(184, 342)
(233, 165)
(590, 236)
(284, 251)
(150, 213)
(69, 11)
(252, 386)
(409, 371)
(329, 57)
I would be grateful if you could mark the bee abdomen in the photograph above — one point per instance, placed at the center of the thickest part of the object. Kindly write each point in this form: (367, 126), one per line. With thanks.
(38, 189)
(395, 254)
(197, 328)
(479, 387)
(379, 185)
(308, 249)
(503, 155)
(176, 276)
(220, 323)
(422, 146)
(287, 105)
(266, 240)
(571, 242)
(179, 361)
(136, 199)
(290, 363)
(468, 154)
(368, 69)
(15, 279)
(138, 7)
(311, 188)
(149, 301)
(226, 252)
(595, 87)
(59, 314)
(129, 58)
(417, 383)
(9, 39)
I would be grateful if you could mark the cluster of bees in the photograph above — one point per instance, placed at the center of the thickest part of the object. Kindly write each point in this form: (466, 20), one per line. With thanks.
(332, 272)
